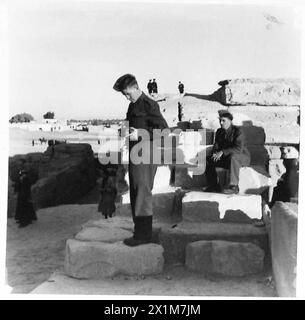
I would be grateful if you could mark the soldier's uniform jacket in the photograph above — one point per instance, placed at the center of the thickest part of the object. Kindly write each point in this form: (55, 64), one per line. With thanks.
(230, 141)
(145, 114)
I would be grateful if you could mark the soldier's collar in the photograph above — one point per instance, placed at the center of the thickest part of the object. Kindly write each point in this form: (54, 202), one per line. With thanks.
(141, 97)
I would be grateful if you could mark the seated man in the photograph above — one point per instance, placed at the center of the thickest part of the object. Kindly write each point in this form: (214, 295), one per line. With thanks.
(228, 152)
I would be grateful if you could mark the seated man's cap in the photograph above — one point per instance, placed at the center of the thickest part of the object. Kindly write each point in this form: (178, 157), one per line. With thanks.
(124, 81)
(225, 114)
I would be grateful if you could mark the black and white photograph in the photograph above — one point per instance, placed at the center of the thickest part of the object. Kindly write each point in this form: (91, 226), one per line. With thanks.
(151, 149)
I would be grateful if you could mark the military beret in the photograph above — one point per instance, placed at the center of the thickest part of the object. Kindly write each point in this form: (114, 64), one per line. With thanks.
(225, 114)
(124, 81)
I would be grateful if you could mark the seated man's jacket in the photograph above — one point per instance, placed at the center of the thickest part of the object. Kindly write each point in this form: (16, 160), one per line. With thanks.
(231, 141)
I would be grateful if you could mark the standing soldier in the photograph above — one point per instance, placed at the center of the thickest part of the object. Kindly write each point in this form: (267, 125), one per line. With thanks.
(149, 87)
(154, 86)
(143, 113)
(181, 87)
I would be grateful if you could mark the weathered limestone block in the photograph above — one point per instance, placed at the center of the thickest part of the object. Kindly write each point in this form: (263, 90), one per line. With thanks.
(92, 260)
(257, 115)
(66, 172)
(282, 133)
(120, 222)
(108, 235)
(115, 229)
(204, 206)
(224, 258)
(267, 92)
(281, 124)
(174, 240)
(284, 220)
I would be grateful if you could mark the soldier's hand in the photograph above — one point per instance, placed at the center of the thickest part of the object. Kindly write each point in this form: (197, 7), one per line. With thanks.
(216, 156)
(133, 134)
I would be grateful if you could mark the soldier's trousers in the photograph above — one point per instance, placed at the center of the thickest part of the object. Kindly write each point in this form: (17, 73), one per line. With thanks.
(141, 182)
(232, 162)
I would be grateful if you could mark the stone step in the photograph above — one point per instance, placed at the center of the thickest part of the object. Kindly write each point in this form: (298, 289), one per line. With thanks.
(202, 206)
(114, 229)
(94, 260)
(174, 240)
(225, 258)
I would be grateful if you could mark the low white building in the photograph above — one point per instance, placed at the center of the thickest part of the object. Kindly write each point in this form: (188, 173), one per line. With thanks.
(49, 125)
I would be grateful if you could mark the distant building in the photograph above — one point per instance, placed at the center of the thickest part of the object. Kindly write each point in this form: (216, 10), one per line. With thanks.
(49, 125)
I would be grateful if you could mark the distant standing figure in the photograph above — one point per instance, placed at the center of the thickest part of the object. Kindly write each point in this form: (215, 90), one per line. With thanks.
(149, 87)
(25, 212)
(154, 86)
(33, 143)
(180, 113)
(181, 87)
(108, 193)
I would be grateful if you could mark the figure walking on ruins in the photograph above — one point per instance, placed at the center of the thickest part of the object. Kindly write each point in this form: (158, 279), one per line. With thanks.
(154, 86)
(25, 212)
(150, 87)
(181, 87)
(229, 152)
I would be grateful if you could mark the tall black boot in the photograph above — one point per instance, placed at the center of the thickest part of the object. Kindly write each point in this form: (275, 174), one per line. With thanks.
(142, 233)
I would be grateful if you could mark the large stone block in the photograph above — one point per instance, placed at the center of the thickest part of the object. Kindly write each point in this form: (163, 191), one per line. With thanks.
(279, 124)
(92, 260)
(267, 92)
(259, 115)
(174, 240)
(284, 220)
(204, 206)
(118, 222)
(224, 258)
(66, 172)
(109, 235)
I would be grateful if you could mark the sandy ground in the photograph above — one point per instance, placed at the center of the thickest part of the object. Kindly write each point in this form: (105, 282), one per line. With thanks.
(35, 257)
(35, 252)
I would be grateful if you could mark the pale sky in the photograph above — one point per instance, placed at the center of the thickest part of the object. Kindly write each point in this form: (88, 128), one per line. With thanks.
(65, 57)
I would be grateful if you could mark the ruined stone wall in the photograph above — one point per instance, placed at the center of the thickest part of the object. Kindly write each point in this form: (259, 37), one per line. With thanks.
(61, 174)
(66, 172)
